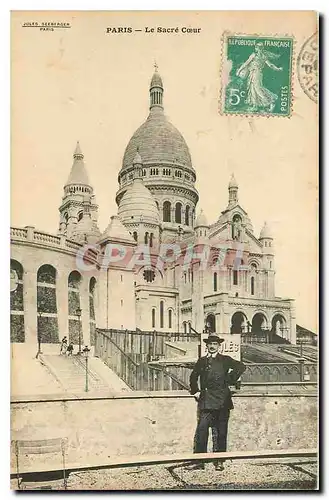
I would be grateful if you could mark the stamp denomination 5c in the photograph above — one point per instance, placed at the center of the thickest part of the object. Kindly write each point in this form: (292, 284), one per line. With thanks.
(256, 75)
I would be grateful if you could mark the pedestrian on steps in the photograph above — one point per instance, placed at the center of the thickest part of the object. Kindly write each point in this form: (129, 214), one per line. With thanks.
(70, 349)
(63, 345)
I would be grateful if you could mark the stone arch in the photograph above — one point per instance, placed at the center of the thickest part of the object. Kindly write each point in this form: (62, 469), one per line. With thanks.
(279, 325)
(47, 305)
(170, 318)
(178, 212)
(161, 313)
(74, 307)
(215, 283)
(236, 226)
(153, 317)
(187, 215)
(17, 324)
(259, 323)
(166, 211)
(239, 322)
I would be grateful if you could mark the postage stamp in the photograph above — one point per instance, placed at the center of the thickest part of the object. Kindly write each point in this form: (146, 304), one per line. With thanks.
(307, 67)
(257, 75)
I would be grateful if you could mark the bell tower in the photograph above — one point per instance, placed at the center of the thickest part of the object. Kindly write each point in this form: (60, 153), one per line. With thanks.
(76, 188)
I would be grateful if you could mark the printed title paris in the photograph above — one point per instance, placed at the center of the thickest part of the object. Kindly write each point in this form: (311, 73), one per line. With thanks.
(148, 29)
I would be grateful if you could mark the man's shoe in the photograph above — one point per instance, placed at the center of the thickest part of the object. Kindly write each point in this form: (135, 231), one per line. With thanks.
(219, 466)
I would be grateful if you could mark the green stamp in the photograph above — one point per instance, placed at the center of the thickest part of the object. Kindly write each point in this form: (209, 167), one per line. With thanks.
(257, 75)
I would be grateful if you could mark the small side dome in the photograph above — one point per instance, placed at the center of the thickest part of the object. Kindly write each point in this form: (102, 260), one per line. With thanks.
(138, 204)
(201, 220)
(265, 232)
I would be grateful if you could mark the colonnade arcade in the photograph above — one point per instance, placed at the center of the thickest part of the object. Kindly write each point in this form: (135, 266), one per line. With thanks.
(35, 311)
(258, 325)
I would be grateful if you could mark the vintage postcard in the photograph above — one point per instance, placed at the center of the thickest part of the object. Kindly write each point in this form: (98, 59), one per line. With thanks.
(164, 250)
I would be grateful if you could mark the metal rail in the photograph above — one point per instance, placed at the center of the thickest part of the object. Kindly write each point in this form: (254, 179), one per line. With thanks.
(143, 460)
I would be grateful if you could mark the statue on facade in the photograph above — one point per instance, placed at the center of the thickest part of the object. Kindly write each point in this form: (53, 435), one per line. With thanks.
(237, 229)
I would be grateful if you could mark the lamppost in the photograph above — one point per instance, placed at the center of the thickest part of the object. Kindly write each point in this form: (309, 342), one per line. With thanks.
(86, 351)
(39, 334)
(78, 313)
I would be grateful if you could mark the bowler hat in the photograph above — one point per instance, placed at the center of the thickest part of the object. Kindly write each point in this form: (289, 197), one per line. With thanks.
(213, 337)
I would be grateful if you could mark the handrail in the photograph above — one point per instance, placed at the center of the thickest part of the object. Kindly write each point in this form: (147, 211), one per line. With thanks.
(143, 460)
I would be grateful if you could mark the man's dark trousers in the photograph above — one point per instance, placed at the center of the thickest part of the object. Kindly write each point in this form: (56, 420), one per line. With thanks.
(217, 420)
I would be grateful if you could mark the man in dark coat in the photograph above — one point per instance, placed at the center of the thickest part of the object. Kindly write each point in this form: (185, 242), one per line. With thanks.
(216, 373)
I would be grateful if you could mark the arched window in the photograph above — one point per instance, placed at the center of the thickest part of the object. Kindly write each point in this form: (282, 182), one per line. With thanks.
(167, 211)
(178, 213)
(187, 215)
(170, 318)
(184, 327)
(66, 217)
(153, 317)
(189, 327)
(17, 327)
(235, 277)
(47, 304)
(151, 239)
(75, 320)
(161, 314)
(80, 215)
(146, 238)
(215, 282)
(252, 285)
(135, 235)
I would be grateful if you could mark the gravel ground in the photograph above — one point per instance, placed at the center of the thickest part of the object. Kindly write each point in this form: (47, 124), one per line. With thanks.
(238, 475)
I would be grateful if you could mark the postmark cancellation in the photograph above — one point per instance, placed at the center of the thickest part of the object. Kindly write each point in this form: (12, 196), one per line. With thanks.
(307, 67)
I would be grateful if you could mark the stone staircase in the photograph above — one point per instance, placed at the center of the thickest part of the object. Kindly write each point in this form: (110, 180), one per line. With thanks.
(70, 372)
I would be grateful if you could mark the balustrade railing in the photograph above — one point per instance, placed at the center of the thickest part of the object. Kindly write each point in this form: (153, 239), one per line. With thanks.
(18, 232)
(254, 373)
(30, 234)
(46, 238)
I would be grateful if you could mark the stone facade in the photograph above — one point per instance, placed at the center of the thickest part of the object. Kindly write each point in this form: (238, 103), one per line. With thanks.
(53, 277)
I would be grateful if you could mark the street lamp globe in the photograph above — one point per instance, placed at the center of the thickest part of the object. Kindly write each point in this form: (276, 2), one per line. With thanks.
(86, 351)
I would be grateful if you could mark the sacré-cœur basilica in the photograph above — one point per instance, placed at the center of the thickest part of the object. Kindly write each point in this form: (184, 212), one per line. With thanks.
(159, 264)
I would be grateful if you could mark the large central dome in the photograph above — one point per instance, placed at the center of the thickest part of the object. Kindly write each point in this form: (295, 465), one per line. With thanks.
(165, 167)
(158, 142)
